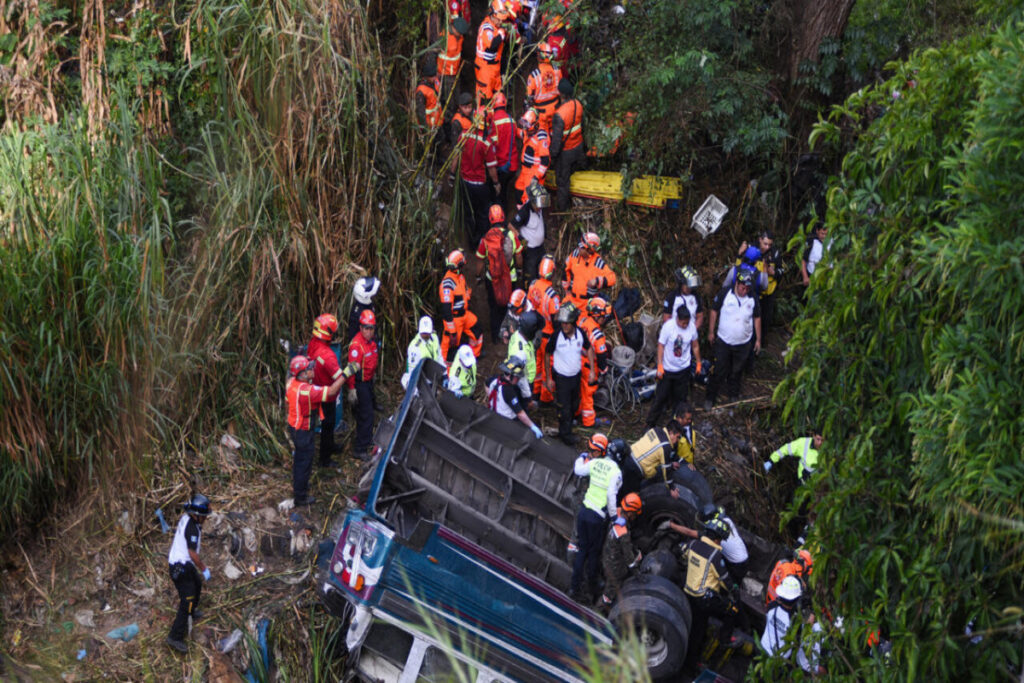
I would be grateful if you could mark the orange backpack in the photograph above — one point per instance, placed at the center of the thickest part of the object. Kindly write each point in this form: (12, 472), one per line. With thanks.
(497, 265)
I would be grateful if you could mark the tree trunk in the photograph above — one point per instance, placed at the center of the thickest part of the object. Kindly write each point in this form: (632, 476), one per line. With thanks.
(813, 21)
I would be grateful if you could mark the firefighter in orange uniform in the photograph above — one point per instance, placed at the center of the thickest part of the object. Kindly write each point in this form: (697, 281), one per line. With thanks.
(566, 141)
(490, 43)
(542, 87)
(533, 163)
(429, 112)
(598, 312)
(458, 319)
(449, 62)
(462, 120)
(586, 273)
(544, 299)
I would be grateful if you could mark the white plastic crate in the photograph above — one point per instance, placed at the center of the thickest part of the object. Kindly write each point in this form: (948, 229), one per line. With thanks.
(709, 216)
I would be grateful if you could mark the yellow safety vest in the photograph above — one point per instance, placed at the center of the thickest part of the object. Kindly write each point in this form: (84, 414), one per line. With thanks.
(701, 574)
(649, 451)
(686, 448)
(602, 471)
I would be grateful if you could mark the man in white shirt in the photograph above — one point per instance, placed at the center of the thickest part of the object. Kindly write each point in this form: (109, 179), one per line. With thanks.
(735, 333)
(677, 348)
(186, 568)
(814, 252)
(565, 351)
(780, 619)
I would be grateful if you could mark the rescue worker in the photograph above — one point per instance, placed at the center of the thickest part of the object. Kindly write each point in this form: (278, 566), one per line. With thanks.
(518, 304)
(769, 265)
(490, 44)
(734, 333)
(325, 371)
(598, 313)
(734, 549)
(449, 62)
(503, 135)
(814, 251)
(304, 398)
(565, 352)
(520, 345)
(533, 164)
(710, 587)
(686, 447)
(363, 351)
(504, 397)
(424, 346)
(459, 9)
(462, 373)
(586, 273)
(799, 566)
(685, 292)
(458, 319)
(650, 457)
(599, 504)
(478, 172)
(619, 557)
(542, 88)
(428, 101)
(804, 449)
(363, 294)
(462, 120)
(567, 148)
(783, 613)
(500, 252)
(677, 351)
(186, 568)
(544, 299)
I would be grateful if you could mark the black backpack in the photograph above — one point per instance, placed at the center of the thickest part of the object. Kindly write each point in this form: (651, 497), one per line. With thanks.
(627, 303)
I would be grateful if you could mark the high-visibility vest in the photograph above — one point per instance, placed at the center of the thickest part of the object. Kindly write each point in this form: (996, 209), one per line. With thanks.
(649, 452)
(579, 271)
(484, 38)
(701, 574)
(542, 85)
(518, 346)
(571, 113)
(462, 377)
(544, 299)
(453, 293)
(803, 448)
(432, 103)
(602, 471)
(686, 447)
(448, 61)
(463, 122)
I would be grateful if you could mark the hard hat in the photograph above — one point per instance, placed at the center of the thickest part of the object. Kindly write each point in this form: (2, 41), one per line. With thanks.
(632, 503)
(567, 313)
(367, 318)
(544, 51)
(547, 266)
(528, 121)
(366, 289)
(513, 366)
(498, 7)
(529, 324)
(598, 307)
(590, 239)
(325, 326)
(790, 589)
(199, 504)
(752, 254)
(426, 325)
(804, 556)
(716, 529)
(496, 214)
(617, 450)
(499, 100)
(298, 365)
(456, 260)
(517, 302)
(466, 357)
(687, 276)
(707, 512)
(598, 442)
(744, 277)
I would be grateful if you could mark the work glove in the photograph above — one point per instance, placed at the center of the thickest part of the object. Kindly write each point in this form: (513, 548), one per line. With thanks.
(767, 465)
(206, 574)
(665, 526)
(351, 396)
(536, 431)
(352, 368)
(698, 367)
(661, 371)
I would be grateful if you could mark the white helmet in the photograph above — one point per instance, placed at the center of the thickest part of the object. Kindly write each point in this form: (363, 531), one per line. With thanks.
(366, 288)
(426, 325)
(466, 357)
(789, 589)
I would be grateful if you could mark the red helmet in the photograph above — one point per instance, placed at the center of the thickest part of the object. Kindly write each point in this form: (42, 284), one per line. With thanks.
(547, 266)
(499, 100)
(544, 51)
(325, 326)
(298, 365)
(496, 214)
(598, 442)
(632, 503)
(456, 260)
(590, 239)
(367, 318)
(528, 121)
(598, 307)
(517, 302)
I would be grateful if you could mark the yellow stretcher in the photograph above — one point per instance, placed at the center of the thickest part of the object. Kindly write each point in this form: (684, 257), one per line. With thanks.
(655, 192)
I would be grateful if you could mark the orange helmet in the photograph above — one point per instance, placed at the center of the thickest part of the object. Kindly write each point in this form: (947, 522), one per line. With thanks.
(325, 326)
(499, 100)
(456, 260)
(500, 9)
(598, 442)
(496, 214)
(806, 560)
(367, 318)
(591, 240)
(528, 121)
(598, 307)
(544, 51)
(631, 503)
(517, 302)
(547, 266)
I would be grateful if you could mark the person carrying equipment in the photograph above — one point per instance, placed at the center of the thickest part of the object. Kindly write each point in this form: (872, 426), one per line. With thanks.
(542, 87)
(500, 253)
(504, 397)
(458, 319)
(490, 43)
(586, 273)
(423, 346)
(462, 373)
(186, 568)
(710, 587)
(799, 566)
(598, 313)
(619, 557)
(599, 503)
(533, 163)
(544, 299)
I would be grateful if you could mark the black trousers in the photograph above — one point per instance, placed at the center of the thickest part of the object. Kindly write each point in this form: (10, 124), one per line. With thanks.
(673, 388)
(327, 445)
(767, 310)
(567, 160)
(567, 397)
(364, 415)
(531, 262)
(730, 360)
(589, 541)
(477, 200)
(302, 461)
(497, 312)
(189, 585)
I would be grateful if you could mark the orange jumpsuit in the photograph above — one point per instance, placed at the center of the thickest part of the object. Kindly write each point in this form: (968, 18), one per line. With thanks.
(587, 389)
(533, 163)
(544, 299)
(450, 61)
(542, 91)
(580, 270)
(490, 43)
(458, 319)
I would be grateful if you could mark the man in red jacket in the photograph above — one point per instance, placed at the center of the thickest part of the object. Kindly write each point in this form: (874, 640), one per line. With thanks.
(325, 371)
(478, 170)
(503, 136)
(363, 351)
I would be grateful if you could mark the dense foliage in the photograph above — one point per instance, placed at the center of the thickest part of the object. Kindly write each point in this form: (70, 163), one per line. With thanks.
(912, 356)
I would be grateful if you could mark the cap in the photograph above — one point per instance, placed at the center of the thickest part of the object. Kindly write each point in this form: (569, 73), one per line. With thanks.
(566, 88)
(460, 25)
(430, 67)
(426, 325)
(465, 98)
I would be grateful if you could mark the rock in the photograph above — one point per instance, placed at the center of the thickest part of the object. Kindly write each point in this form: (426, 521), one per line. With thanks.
(84, 617)
(301, 541)
(268, 514)
(231, 571)
(230, 442)
(285, 505)
(144, 593)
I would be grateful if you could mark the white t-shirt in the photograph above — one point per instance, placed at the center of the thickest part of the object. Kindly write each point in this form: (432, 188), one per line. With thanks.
(188, 534)
(736, 317)
(677, 341)
(733, 548)
(567, 352)
(533, 232)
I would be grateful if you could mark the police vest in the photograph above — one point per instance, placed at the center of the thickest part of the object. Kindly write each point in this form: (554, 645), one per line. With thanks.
(649, 452)
(602, 471)
(462, 377)
(518, 346)
(701, 574)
